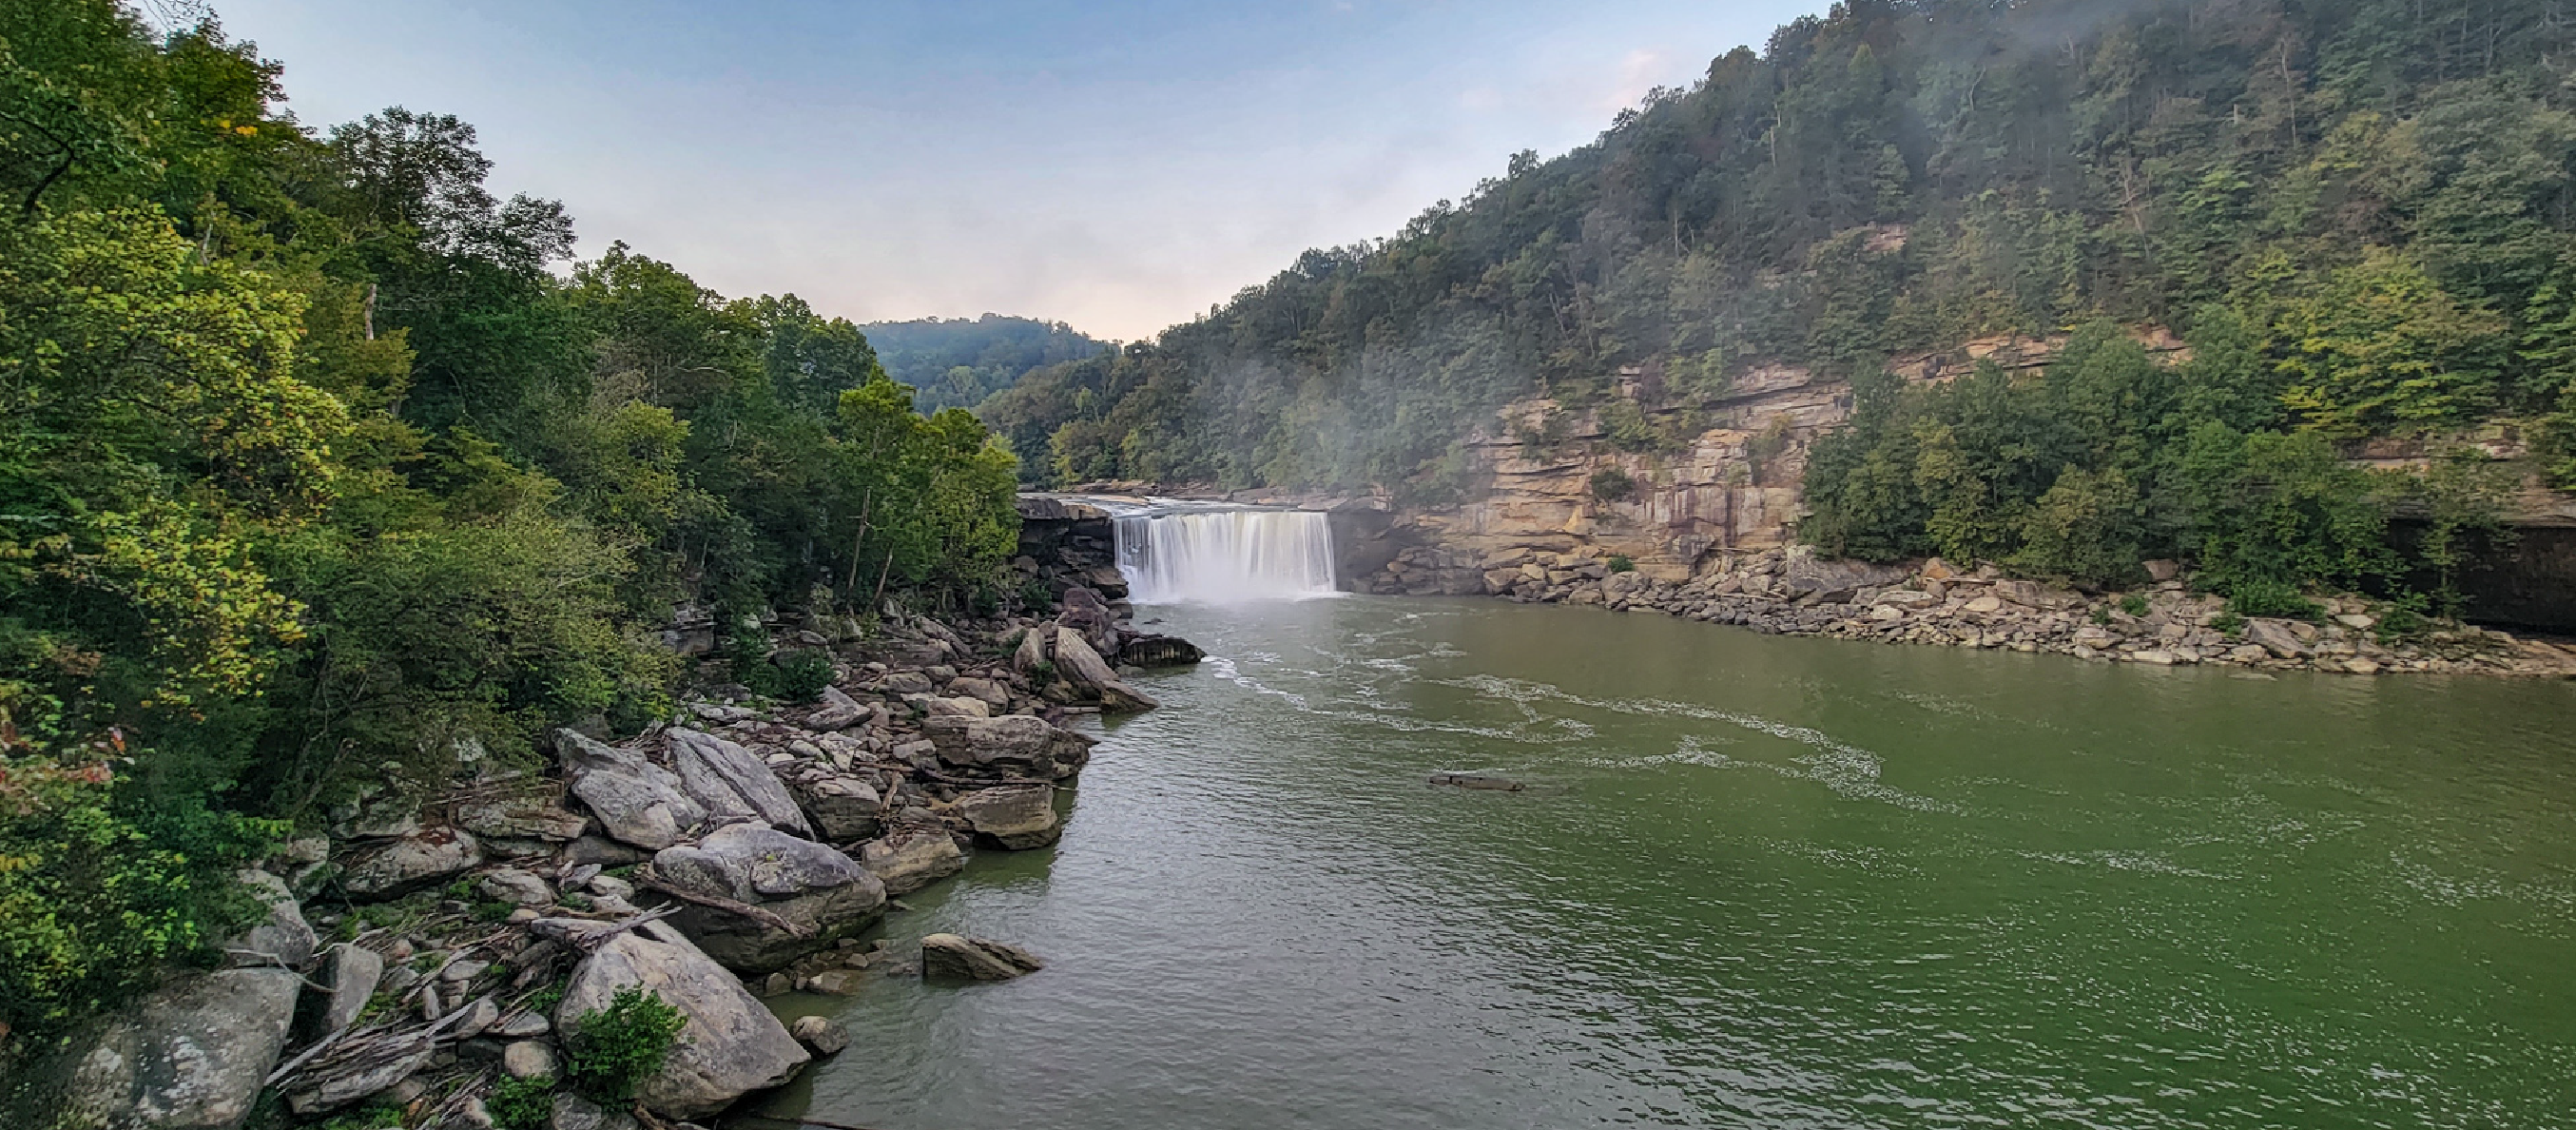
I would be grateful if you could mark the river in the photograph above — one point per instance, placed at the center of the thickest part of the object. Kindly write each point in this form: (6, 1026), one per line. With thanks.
(1755, 881)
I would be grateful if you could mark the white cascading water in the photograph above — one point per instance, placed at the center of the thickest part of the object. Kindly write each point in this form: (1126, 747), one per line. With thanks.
(1224, 556)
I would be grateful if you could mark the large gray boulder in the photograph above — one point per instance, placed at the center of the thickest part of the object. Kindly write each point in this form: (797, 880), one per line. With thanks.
(844, 809)
(1076, 660)
(837, 711)
(530, 815)
(636, 801)
(730, 1044)
(391, 868)
(348, 976)
(283, 939)
(1015, 817)
(907, 861)
(1016, 744)
(728, 780)
(820, 891)
(191, 1056)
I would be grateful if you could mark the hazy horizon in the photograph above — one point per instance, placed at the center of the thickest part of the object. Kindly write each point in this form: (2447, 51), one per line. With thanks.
(1119, 167)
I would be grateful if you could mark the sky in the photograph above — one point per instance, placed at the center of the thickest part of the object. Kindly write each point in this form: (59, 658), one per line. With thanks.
(1121, 165)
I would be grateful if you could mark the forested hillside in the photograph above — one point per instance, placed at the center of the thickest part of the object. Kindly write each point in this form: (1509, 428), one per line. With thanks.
(316, 480)
(957, 362)
(2359, 214)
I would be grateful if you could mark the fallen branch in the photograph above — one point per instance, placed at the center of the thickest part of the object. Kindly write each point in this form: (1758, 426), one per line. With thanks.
(587, 936)
(729, 906)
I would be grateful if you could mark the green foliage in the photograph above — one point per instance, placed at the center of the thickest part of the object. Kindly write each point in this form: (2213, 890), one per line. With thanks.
(316, 477)
(2265, 597)
(1611, 484)
(1621, 563)
(615, 1049)
(795, 677)
(958, 362)
(99, 888)
(2229, 623)
(521, 1104)
(2133, 604)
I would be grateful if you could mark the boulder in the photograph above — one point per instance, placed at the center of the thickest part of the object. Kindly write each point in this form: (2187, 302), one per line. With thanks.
(637, 801)
(837, 711)
(517, 887)
(391, 868)
(820, 1034)
(908, 861)
(283, 938)
(726, 780)
(348, 976)
(192, 1055)
(1012, 743)
(821, 892)
(974, 959)
(2275, 636)
(1014, 817)
(1906, 598)
(528, 1059)
(527, 817)
(1083, 667)
(1803, 572)
(1031, 654)
(901, 683)
(573, 1112)
(1160, 651)
(987, 691)
(729, 1046)
(843, 809)
(938, 707)
(600, 851)
(2032, 594)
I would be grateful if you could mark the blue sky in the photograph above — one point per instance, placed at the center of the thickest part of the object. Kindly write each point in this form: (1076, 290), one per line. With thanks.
(1119, 165)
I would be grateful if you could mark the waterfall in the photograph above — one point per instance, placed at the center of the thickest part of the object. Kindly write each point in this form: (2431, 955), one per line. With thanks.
(1221, 556)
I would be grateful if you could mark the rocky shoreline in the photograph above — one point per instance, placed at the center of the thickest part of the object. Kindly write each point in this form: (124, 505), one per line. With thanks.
(430, 963)
(1793, 592)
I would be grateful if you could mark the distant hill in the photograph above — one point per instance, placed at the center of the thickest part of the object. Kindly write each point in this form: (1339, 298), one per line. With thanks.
(957, 362)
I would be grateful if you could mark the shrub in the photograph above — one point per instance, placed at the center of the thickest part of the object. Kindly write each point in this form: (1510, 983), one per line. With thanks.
(2271, 598)
(1622, 563)
(800, 677)
(521, 1104)
(1612, 485)
(2229, 624)
(2133, 604)
(97, 892)
(614, 1050)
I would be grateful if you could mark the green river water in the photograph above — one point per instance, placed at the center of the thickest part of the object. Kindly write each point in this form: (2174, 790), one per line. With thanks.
(1756, 881)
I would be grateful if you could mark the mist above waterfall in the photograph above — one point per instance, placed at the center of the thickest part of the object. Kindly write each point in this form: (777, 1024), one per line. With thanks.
(1225, 556)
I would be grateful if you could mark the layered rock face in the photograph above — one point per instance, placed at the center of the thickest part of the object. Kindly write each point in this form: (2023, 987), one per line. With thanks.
(1734, 487)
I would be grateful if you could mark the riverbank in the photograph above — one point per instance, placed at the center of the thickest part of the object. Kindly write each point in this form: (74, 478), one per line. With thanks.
(1792, 592)
(429, 963)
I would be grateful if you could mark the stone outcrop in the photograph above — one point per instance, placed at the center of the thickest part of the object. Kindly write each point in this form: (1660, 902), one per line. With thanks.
(957, 957)
(821, 895)
(1933, 603)
(190, 1056)
(637, 801)
(909, 860)
(1014, 744)
(730, 1045)
(1012, 817)
(388, 868)
(727, 781)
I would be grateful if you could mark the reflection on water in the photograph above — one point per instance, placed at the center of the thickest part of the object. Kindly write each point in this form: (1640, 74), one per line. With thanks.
(1757, 882)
